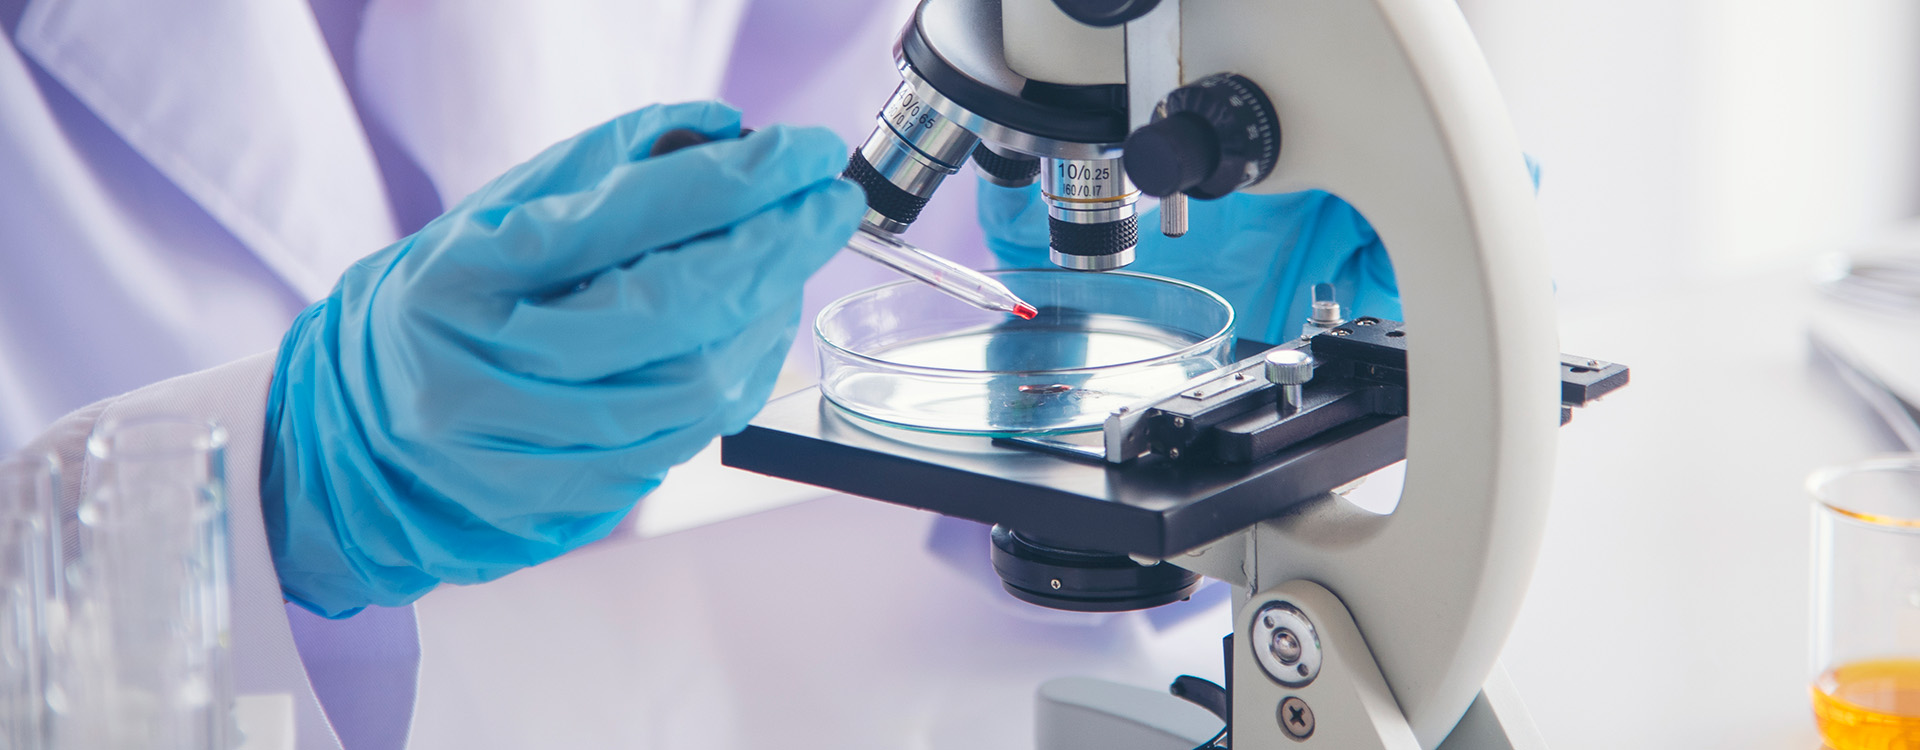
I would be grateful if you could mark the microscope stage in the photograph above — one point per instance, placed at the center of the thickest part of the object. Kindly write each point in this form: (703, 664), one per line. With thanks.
(1151, 506)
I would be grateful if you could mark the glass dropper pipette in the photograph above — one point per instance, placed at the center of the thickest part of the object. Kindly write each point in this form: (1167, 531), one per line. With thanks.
(958, 281)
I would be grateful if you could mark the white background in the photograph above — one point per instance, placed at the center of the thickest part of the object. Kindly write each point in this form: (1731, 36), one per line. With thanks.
(1686, 139)
(1697, 154)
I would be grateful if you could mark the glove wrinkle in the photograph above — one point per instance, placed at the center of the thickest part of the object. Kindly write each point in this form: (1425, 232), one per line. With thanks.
(463, 405)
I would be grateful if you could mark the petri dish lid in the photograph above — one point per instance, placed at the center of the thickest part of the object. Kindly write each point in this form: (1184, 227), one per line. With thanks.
(906, 355)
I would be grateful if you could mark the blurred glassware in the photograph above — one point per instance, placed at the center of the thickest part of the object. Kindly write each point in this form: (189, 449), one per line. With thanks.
(1901, 416)
(1868, 328)
(1884, 280)
(149, 591)
(1866, 603)
(30, 595)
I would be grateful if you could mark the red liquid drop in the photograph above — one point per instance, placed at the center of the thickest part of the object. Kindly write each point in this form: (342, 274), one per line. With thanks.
(1025, 311)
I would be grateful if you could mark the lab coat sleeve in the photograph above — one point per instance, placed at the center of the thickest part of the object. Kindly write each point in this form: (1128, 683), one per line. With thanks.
(234, 395)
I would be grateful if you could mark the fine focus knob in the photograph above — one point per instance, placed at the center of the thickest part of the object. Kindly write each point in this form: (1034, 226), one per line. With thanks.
(1289, 367)
(1216, 135)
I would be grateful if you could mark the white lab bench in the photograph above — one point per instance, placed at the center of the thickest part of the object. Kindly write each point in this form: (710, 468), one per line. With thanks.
(1669, 609)
(1670, 606)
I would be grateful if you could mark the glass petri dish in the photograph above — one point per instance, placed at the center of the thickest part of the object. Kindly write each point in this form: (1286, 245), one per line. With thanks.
(904, 354)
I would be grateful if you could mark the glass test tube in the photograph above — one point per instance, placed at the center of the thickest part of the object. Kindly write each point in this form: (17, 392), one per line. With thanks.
(150, 592)
(1866, 605)
(29, 596)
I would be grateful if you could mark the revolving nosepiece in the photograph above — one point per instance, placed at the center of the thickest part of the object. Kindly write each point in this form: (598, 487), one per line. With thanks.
(1010, 169)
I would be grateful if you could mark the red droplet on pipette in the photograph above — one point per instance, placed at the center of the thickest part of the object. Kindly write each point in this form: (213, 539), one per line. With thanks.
(1025, 311)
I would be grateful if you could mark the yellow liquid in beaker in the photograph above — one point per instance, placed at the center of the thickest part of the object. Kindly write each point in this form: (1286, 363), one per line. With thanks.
(1870, 705)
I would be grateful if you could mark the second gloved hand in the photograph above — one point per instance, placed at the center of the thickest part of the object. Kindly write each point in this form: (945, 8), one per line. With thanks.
(502, 386)
(1263, 253)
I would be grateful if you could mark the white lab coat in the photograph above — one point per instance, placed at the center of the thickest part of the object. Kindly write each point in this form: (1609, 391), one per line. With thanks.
(177, 179)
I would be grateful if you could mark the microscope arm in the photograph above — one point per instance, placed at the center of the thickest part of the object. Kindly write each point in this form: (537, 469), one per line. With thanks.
(1390, 105)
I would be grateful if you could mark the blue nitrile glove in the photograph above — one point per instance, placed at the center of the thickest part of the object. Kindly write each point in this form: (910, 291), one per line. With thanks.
(501, 387)
(1263, 253)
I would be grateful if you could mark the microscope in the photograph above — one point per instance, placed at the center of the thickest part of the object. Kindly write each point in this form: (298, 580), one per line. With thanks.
(1352, 629)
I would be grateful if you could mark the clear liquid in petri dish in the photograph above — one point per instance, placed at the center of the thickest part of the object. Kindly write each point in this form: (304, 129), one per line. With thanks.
(1042, 344)
(1053, 374)
(906, 355)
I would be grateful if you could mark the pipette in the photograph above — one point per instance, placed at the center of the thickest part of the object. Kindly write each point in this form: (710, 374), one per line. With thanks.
(960, 282)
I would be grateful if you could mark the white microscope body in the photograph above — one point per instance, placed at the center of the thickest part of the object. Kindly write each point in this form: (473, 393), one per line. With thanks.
(1352, 630)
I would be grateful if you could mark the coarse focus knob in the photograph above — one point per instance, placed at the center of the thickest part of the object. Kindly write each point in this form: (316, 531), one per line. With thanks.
(1216, 135)
(1289, 367)
(1171, 155)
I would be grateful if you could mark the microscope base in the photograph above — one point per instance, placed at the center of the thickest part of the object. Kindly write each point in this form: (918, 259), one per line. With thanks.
(1082, 713)
(1299, 674)
(1497, 720)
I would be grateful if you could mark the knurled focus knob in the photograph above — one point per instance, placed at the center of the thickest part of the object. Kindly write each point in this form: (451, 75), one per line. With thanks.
(1171, 155)
(1216, 135)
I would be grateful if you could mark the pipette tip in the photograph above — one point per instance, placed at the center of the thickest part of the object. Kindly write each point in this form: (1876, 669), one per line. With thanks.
(1025, 311)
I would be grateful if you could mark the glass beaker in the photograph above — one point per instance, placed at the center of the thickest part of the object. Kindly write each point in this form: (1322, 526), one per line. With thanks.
(1866, 605)
(150, 612)
(29, 595)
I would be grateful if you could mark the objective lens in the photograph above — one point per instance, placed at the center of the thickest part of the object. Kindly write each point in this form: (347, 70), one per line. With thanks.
(906, 157)
(1091, 211)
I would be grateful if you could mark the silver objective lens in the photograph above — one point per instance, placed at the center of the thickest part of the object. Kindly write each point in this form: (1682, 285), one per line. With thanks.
(1091, 205)
(906, 157)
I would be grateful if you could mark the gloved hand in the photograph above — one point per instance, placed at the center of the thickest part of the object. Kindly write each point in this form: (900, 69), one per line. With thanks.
(1263, 253)
(501, 386)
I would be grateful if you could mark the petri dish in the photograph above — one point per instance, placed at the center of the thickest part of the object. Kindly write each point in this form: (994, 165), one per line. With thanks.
(906, 355)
